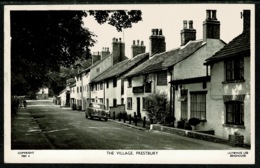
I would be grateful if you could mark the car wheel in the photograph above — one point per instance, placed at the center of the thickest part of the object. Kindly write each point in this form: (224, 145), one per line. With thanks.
(105, 119)
(91, 117)
(86, 116)
(99, 118)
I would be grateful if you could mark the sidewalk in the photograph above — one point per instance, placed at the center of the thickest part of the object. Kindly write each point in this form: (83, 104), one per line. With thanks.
(25, 132)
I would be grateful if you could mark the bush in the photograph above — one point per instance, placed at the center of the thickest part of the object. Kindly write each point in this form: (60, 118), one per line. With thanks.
(194, 121)
(169, 119)
(157, 106)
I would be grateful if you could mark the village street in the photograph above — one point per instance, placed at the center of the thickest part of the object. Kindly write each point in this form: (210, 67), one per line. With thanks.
(63, 128)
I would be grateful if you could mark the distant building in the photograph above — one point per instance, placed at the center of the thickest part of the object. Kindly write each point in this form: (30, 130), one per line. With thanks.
(43, 93)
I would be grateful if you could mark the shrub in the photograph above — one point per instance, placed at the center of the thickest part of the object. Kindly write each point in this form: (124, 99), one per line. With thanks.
(156, 106)
(194, 121)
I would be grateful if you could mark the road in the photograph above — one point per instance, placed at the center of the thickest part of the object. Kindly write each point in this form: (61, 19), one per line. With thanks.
(64, 128)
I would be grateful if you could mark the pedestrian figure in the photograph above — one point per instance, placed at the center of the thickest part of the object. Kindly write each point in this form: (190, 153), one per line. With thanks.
(24, 103)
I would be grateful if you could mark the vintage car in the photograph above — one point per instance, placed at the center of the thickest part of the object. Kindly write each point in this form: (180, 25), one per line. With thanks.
(95, 110)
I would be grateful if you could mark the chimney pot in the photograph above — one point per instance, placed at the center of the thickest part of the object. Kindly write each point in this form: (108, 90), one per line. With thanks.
(120, 40)
(214, 14)
(190, 24)
(133, 42)
(185, 24)
(160, 32)
(153, 31)
(208, 14)
(116, 40)
(137, 42)
(156, 31)
(142, 43)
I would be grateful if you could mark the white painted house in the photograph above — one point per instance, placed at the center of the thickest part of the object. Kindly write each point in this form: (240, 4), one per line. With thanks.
(229, 94)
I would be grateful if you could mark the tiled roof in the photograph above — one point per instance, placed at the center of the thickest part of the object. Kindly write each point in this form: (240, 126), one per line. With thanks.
(238, 46)
(166, 59)
(121, 67)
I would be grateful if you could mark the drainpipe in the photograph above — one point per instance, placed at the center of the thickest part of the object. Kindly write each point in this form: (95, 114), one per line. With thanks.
(172, 94)
(104, 98)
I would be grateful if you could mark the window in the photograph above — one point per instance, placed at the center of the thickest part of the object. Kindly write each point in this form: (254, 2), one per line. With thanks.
(234, 112)
(98, 70)
(95, 86)
(114, 82)
(114, 102)
(129, 80)
(198, 105)
(129, 103)
(80, 88)
(162, 78)
(122, 87)
(107, 83)
(184, 104)
(77, 89)
(147, 84)
(145, 103)
(235, 69)
(101, 100)
(91, 87)
(148, 87)
(122, 100)
(101, 86)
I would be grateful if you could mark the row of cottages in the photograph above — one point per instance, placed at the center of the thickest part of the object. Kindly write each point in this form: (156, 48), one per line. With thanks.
(206, 78)
(163, 67)
(101, 62)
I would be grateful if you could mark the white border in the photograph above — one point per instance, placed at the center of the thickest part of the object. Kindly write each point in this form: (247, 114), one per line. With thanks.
(100, 156)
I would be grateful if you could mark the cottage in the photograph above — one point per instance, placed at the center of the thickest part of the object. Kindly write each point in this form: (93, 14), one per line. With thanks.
(229, 104)
(109, 86)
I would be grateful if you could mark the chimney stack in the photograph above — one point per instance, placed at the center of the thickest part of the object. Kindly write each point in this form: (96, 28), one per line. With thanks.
(118, 49)
(137, 49)
(95, 57)
(105, 51)
(211, 26)
(187, 34)
(246, 20)
(157, 42)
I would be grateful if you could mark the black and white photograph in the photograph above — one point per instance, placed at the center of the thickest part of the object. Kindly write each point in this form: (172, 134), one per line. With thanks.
(129, 83)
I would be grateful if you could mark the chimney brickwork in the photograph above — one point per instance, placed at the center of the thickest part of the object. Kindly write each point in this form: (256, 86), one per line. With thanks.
(138, 48)
(157, 42)
(105, 51)
(118, 49)
(246, 20)
(96, 57)
(187, 33)
(211, 26)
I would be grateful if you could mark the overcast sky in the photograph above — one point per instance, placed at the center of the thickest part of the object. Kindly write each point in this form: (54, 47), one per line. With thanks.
(170, 19)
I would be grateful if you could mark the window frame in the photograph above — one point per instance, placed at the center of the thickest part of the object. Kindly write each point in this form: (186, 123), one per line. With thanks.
(234, 69)
(114, 82)
(129, 103)
(158, 78)
(235, 115)
(194, 109)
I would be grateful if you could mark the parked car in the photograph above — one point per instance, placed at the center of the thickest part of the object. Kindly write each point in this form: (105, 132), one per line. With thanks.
(95, 110)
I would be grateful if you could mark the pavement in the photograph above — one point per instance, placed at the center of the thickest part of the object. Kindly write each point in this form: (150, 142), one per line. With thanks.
(26, 133)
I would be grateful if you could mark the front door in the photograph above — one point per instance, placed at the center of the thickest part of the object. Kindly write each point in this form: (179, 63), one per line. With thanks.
(138, 107)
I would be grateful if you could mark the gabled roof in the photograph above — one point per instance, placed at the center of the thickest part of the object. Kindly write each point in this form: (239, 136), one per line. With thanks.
(240, 45)
(121, 67)
(166, 59)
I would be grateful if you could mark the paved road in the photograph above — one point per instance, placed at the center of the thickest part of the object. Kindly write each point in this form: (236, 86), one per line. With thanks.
(67, 129)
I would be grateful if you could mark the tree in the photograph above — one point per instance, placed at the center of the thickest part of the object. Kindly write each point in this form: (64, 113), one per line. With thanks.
(157, 106)
(44, 41)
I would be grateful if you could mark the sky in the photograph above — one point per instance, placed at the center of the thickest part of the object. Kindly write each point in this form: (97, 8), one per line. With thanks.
(169, 18)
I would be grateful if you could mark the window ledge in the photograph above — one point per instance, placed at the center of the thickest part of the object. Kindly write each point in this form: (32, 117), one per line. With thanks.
(234, 81)
(234, 126)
